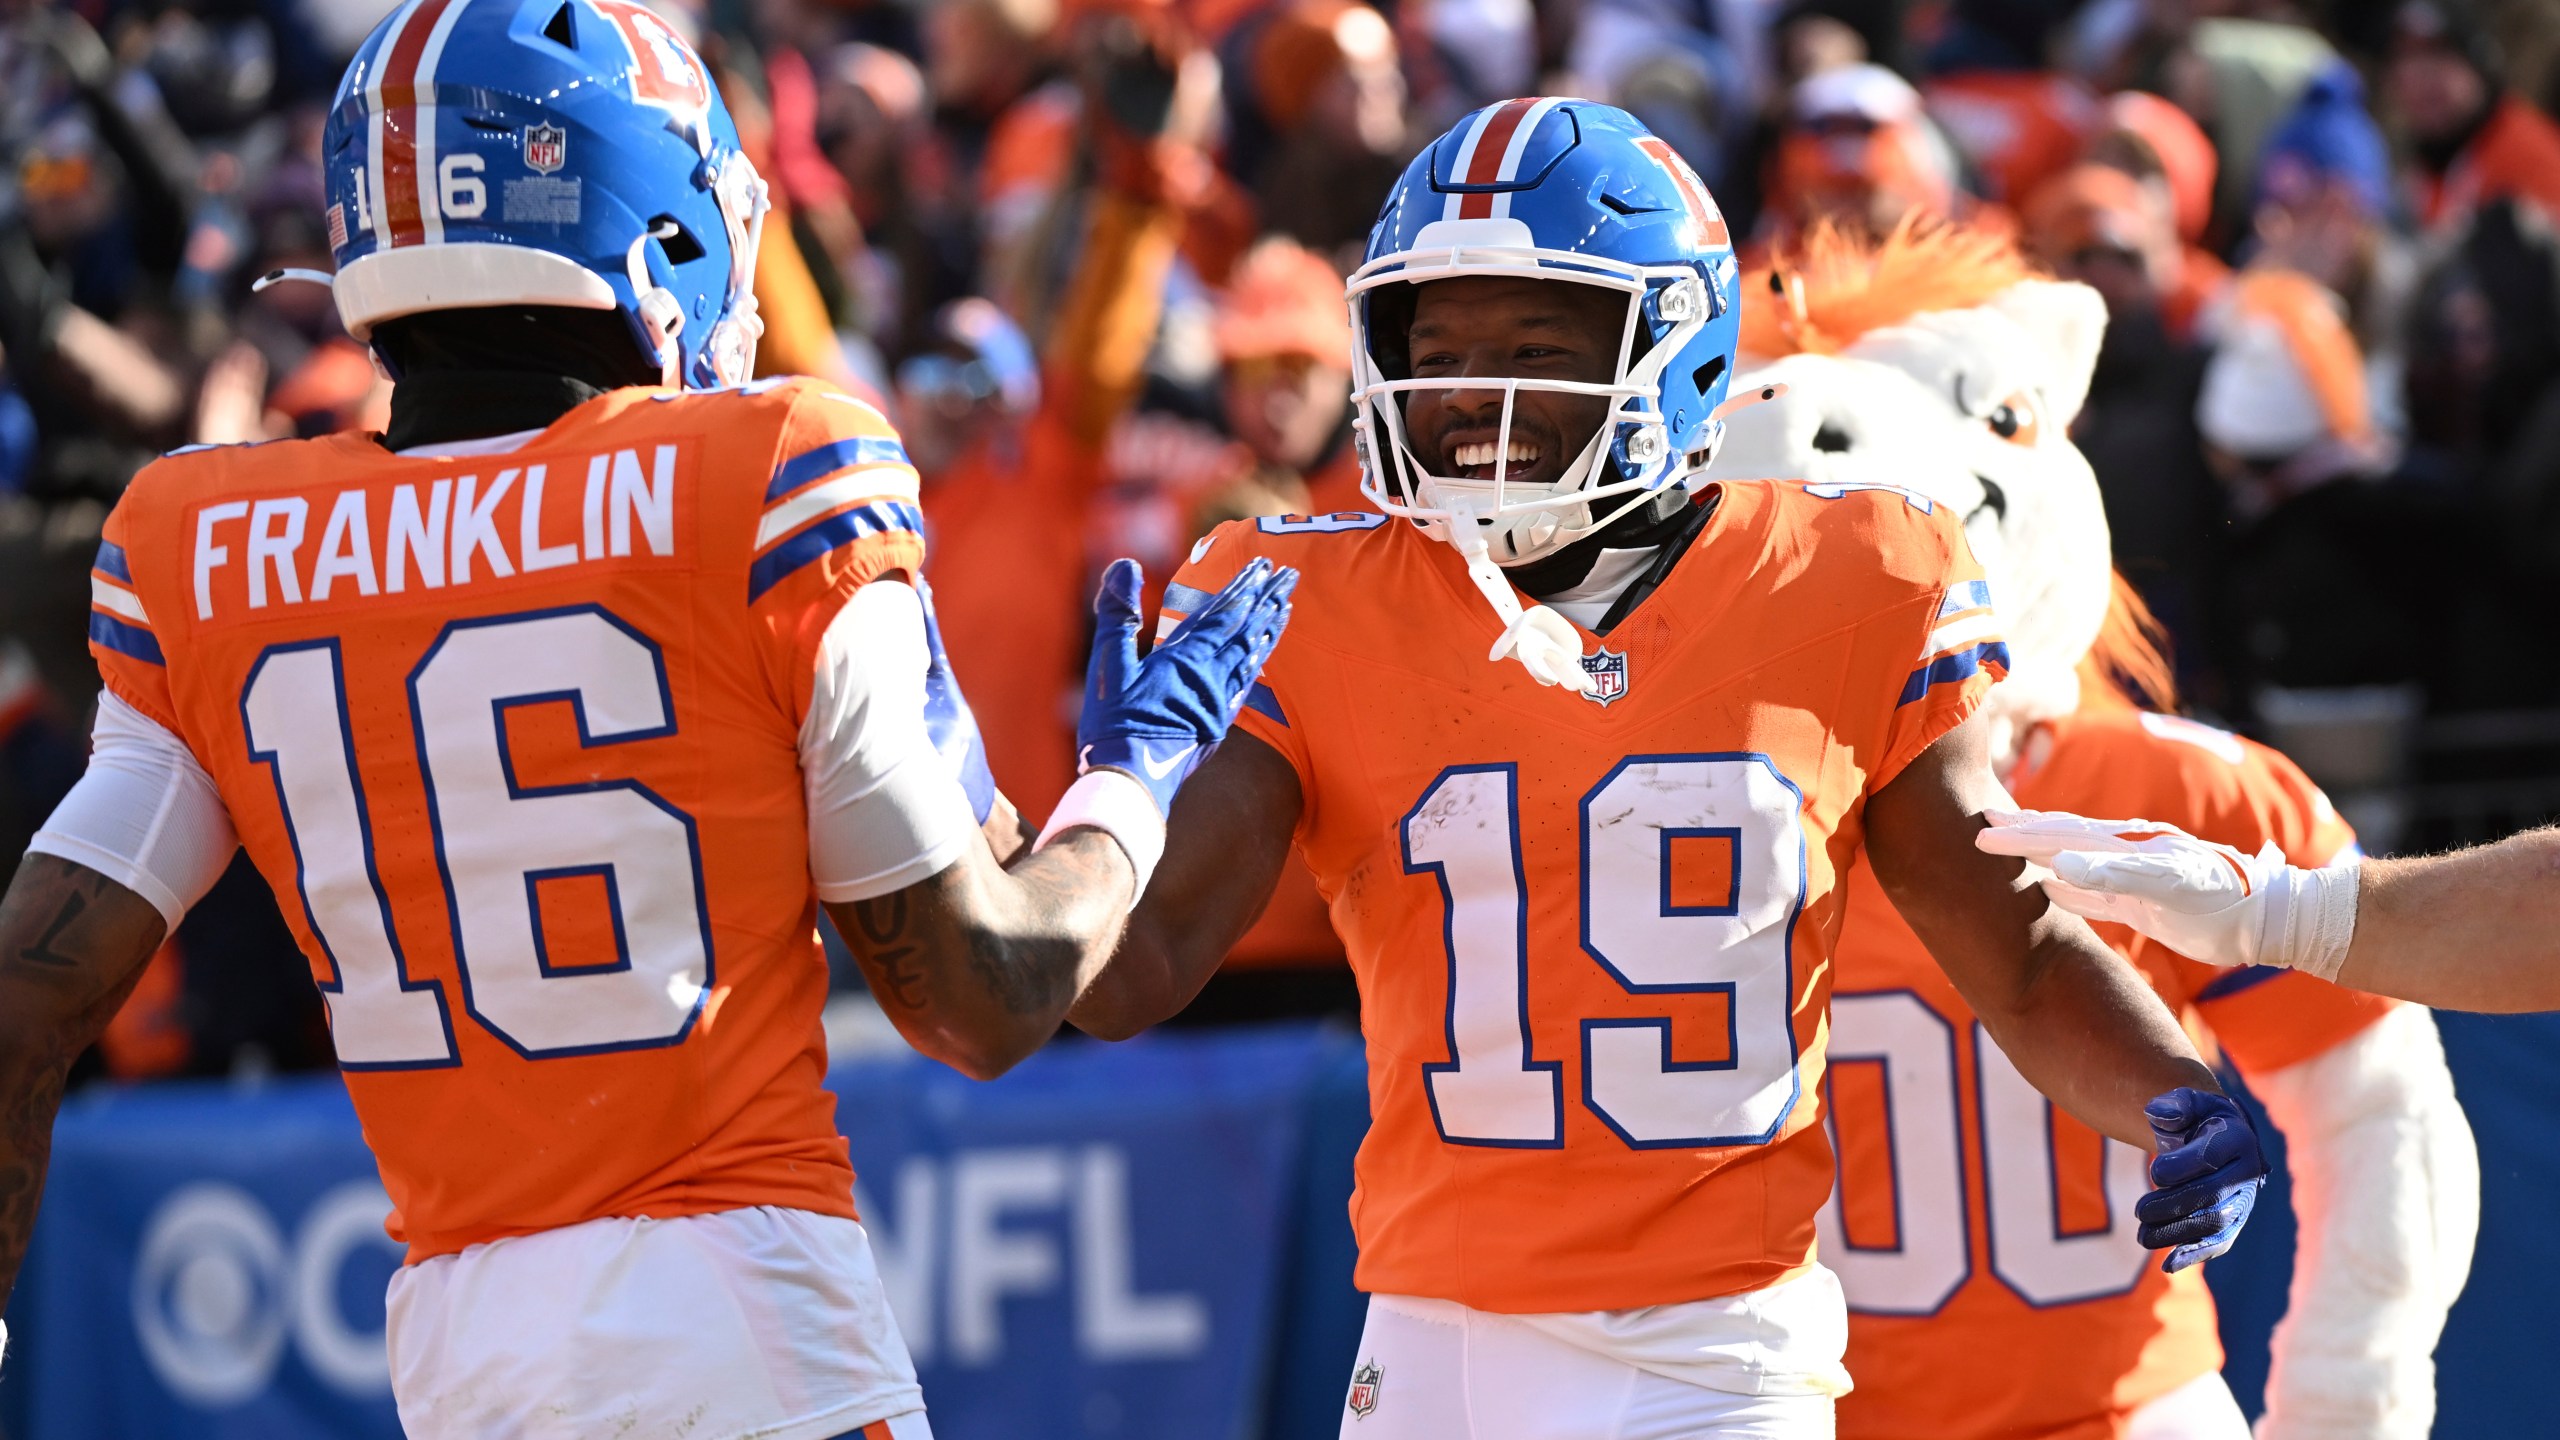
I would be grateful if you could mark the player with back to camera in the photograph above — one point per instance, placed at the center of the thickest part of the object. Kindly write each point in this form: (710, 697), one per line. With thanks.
(551, 716)
(1589, 896)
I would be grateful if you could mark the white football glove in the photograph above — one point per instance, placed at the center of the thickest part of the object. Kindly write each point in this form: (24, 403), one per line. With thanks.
(2208, 902)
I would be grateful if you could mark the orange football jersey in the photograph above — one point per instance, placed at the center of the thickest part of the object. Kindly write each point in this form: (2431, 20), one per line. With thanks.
(1591, 934)
(1984, 1238)
(514, 738)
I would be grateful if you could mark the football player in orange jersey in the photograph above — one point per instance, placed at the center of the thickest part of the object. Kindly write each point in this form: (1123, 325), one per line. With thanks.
(552, 715)
(1971, 1220)
(1590, 896)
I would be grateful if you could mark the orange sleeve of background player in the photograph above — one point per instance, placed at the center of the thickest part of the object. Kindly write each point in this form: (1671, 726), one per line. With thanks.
(1096, 358)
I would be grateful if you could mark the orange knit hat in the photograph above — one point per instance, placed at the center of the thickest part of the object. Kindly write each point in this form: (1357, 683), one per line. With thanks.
(1306, 41)
(2186, 153)
(1284, 300)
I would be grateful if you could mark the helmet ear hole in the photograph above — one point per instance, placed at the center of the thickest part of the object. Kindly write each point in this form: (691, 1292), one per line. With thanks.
(560, 30)
(1706, 376)
(680, 248)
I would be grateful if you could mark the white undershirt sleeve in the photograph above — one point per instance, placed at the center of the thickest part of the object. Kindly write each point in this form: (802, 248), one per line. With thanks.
(885, 809)
(145, 814)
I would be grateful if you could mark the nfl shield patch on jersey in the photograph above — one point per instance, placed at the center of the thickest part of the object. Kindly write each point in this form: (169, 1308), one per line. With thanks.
(1608, 672)
(1364, 1389)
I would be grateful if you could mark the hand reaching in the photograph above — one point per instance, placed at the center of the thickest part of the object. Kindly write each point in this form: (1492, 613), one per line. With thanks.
(2208, 902)
(2205, 1178)
(1156, 719)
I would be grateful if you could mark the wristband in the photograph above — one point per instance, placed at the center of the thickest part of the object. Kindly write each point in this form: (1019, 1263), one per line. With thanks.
(1119, 807)
(2310, 917)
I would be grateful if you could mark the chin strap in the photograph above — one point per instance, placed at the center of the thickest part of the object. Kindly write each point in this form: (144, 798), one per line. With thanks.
(278, 277)
(661, 313)
(1544, 642)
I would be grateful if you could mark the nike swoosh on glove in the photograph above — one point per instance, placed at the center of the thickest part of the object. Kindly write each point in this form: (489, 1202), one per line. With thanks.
(2208, 902)
(2205, 1179)
(1156, 719)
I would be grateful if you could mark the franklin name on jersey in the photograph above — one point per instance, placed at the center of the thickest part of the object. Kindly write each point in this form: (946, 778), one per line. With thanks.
(519, 729)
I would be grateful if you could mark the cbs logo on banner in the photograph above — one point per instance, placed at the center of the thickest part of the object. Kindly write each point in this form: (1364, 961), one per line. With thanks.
(218, 1290)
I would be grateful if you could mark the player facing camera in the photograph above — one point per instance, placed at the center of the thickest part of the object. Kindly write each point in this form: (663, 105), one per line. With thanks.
(1579, 272)
(1589, 927)
(1490, 330)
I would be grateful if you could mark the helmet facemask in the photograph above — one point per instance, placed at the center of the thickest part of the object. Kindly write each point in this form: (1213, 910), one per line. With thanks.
(1628, 457)
(729, 352)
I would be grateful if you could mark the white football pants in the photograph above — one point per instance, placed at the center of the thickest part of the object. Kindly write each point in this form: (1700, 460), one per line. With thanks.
(1459, 1374)
(2201, 1409)
(764, 1323)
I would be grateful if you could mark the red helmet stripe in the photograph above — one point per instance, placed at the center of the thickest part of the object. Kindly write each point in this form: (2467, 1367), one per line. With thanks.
(1484, 163)
(403, 194)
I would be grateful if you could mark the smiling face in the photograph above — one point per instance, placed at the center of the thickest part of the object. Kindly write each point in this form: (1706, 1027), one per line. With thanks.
(1492, 328)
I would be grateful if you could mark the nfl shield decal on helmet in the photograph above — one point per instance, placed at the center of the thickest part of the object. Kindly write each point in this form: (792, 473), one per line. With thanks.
(1364, 1389)
(1608, 672)
(546, 148)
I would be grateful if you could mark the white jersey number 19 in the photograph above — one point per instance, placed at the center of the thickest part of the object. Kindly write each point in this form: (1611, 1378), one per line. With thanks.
(1465, 830)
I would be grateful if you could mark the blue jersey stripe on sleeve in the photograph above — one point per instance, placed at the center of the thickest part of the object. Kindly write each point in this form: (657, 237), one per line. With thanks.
(827, 459)
(1260, 698)
(2232, 982)
(1952, 667)
(830, 534)
(111, 562)
(1970, 595)
(124, 639)
(1188, 600)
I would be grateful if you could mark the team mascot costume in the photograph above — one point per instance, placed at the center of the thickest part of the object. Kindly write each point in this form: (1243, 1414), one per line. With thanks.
(1984, 1240)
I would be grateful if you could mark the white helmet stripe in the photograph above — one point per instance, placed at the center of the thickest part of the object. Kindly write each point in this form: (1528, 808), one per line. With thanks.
(1465, 157)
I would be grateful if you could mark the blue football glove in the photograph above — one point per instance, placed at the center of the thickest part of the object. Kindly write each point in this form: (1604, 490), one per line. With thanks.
(1156, 719)
(2205, 1179)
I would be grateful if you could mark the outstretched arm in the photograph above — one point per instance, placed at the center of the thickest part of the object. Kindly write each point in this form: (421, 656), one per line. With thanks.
(1224, 849)
(72, 944)
(2475, 930)
(2077, 1020)
(977, 962)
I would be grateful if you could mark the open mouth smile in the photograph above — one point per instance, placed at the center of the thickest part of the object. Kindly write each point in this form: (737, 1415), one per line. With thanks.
(1475, 460)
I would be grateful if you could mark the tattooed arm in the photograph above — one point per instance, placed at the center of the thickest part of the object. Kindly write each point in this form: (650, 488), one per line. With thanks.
(977, 964)
(72, 944)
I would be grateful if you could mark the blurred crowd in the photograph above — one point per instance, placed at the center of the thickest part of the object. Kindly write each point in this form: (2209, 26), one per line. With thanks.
(1088, 254)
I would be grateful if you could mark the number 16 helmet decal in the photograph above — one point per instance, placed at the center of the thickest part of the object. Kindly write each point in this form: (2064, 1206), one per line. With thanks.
(546, 152)
(1562, 190)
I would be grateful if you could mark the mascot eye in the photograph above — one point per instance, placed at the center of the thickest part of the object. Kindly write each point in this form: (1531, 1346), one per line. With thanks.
(2014, 420)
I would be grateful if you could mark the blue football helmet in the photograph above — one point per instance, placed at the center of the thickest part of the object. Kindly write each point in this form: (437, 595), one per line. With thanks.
(1578, 193)
(546, 152)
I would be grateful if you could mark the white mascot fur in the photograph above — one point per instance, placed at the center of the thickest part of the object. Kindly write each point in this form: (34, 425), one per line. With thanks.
(1938, 363)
